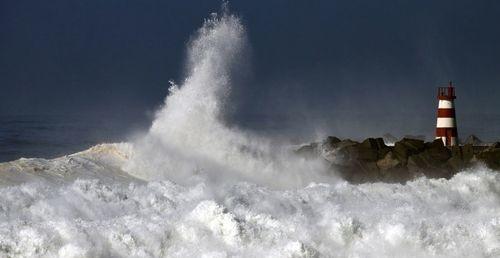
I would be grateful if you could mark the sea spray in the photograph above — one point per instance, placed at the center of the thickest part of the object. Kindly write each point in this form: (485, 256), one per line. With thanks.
(189, 136)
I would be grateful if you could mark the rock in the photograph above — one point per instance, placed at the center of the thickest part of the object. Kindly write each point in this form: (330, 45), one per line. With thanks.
(348, 152)
(461, 157)
(474, 140)
(371, 149)
(360, 172)
(308, 151)
(329, 144)
(432, 161)
(415, 137)
(388, 162)
(346, 143)
(456, 151)
(389, 138)
(391, 169)
(331, 141)
(359, 160)
(373, 161)
(423, 164)
(407, 147)
(337, 152)
(491, 156)
(369, 171)
(467, 152)
(438, 151)
(457, 162)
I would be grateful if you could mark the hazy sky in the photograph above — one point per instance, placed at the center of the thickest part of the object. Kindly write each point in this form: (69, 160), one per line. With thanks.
(359, 62)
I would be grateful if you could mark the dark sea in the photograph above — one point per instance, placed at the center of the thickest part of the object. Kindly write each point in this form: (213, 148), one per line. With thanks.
(50, 136)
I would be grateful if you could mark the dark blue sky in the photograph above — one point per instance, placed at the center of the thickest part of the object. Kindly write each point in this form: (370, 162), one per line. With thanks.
(354, 62)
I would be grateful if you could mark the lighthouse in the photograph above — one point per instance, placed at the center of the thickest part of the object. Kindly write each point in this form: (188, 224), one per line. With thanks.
(446, 126)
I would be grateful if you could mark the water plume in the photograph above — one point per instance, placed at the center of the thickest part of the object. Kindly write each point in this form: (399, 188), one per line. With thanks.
(189, 135)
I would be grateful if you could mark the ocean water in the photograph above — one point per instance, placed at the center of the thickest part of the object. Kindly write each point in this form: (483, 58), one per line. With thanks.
(50, 136)
(191, 186)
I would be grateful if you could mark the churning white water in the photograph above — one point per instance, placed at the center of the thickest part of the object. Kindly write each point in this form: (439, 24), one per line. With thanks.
(195, 187)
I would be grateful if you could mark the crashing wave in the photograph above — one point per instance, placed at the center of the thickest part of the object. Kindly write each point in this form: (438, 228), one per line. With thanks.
(93, 216)
(194, 187)
(104, 161)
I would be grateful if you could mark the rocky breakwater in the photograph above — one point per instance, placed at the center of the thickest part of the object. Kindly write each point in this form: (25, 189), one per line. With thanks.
(373, 161)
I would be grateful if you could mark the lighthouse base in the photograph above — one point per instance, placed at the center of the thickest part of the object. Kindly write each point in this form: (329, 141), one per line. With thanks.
(448, 141)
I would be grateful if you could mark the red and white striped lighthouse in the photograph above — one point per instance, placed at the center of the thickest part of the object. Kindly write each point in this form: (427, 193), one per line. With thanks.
(446, 126)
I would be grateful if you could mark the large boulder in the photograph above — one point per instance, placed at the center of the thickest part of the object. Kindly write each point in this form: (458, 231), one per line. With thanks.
(467, 152)
(432, 162)
(407, 147)
(330, 143)
(366, 172)
(491, 156)
(461, 157)
(388, 162)
(392, 170)
(456, 162)
(415, 137)
(348, 152)
(338, 152)
(473, 140)
(371, 149)
(359, 172)
(389, 138)
(308, 151)
(346, 143)
(358, 161)
(438, 151)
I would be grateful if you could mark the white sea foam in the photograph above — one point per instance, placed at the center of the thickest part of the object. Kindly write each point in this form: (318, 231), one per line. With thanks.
(100, 218)
(194, 187)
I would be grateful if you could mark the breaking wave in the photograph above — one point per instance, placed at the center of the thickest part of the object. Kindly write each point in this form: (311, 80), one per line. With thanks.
(194, 186)
(189, 138)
